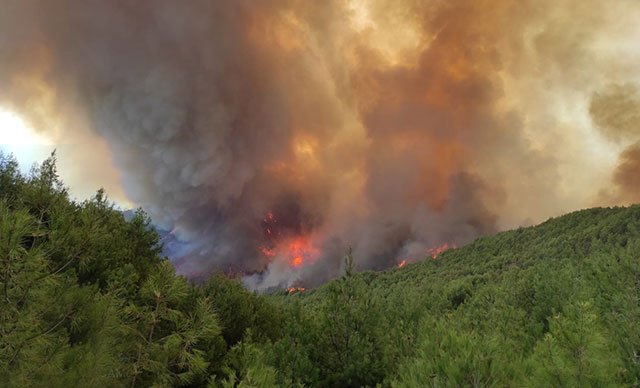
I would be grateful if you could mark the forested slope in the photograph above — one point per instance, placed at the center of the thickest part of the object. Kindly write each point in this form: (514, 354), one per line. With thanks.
(87, 300)
(551, 305)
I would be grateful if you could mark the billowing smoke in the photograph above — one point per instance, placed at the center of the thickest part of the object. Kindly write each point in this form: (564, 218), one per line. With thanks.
(273, 135)
(616, 111)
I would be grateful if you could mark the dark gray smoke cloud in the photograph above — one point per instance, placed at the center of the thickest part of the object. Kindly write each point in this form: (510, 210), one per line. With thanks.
(386, 126)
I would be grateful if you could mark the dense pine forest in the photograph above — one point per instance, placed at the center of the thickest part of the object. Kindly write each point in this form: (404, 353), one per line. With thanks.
(87, 300)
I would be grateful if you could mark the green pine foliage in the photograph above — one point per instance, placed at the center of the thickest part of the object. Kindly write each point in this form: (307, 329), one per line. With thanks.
(86, 299)
(575, 352)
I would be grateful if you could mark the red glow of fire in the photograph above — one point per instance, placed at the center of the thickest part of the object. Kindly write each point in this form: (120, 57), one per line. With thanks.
(435, 252)
(291, 290)
(270, 222)
(296, 251)
(300, 251)
(267, 252)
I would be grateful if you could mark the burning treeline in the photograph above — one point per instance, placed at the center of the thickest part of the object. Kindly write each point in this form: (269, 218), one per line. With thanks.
(274, 134)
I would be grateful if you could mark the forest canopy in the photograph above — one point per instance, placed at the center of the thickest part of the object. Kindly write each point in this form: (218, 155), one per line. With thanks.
(86, 299)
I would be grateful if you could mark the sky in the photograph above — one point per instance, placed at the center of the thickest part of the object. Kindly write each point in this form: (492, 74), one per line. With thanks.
(272, 136)
(17, 138)
(30, 147)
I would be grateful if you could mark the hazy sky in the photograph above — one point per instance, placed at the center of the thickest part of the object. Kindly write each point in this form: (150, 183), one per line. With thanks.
(85, 163)
(389, 126)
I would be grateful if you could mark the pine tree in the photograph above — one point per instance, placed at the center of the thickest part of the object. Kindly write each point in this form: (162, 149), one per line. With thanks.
(575, 352)
(171, 329)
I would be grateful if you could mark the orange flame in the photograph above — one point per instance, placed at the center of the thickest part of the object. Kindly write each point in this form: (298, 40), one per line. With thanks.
(435, 252)
(291, 290)
(300, 251)
(295, 251)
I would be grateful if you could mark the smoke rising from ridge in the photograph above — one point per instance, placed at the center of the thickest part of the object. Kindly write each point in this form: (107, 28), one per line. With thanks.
(388, 126)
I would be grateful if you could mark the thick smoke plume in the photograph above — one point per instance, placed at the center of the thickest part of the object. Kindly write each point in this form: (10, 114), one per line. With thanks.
(272, 135)
(616, 111)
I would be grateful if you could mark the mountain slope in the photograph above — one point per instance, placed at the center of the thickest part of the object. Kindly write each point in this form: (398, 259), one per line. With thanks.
(546, 305)
(574, 240)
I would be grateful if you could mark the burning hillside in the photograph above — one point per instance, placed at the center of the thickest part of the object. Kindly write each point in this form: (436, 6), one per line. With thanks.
(433, 253)
(270, 136)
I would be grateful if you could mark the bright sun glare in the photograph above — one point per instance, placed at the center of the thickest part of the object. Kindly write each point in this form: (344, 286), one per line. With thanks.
(14, 132)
